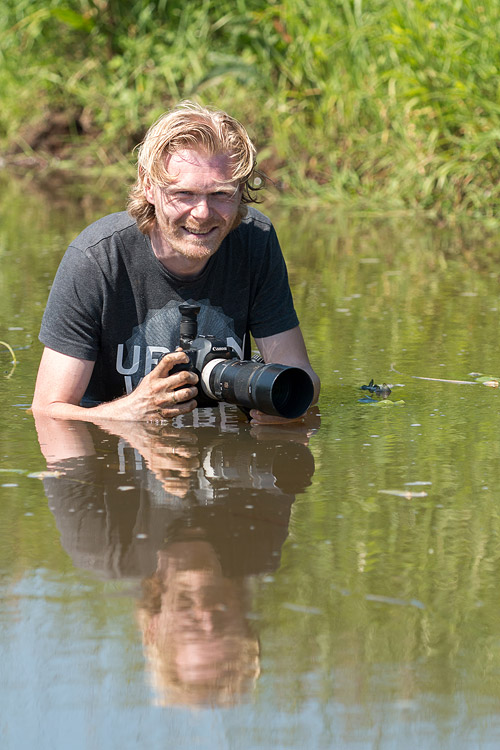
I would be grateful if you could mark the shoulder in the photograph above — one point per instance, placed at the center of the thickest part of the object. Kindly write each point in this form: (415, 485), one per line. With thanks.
(108, 229)
(255, 231)
(255, 219)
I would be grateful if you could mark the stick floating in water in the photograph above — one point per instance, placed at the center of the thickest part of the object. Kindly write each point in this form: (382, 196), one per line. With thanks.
(14, 360)
(491, 382)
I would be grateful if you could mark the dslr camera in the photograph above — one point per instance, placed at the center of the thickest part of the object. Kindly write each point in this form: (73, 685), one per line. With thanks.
(249, 384)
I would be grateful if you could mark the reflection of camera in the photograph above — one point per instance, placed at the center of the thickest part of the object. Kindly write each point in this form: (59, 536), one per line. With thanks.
(271, 388)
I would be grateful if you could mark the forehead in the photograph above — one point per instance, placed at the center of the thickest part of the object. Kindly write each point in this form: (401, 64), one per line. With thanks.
(189, 166)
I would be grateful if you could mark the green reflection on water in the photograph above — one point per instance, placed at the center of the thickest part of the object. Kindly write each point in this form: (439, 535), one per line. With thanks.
(382, 601)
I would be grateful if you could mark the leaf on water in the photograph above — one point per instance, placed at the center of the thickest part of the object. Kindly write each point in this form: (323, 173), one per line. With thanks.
(45, 474)
(408, 494)
(385, 401)
(486, 379)
(394, 600)
(301, 608)
(388, 402)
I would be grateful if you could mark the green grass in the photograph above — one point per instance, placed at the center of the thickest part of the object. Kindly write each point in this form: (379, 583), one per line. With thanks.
(377, 106)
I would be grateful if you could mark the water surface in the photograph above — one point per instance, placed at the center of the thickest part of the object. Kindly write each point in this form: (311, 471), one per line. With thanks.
(210, 584)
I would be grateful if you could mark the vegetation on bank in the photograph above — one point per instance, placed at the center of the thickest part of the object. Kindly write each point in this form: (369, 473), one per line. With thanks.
(386, 106)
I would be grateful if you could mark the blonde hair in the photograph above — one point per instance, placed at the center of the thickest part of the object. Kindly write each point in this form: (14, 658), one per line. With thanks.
(190, 126)
(233, 665)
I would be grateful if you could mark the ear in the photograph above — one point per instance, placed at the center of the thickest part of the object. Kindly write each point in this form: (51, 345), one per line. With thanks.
(149, 190)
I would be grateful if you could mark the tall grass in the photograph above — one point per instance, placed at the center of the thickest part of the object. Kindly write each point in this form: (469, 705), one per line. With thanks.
(387, 106)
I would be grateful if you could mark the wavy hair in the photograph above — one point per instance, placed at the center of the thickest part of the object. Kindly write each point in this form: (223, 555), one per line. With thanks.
(191, 126)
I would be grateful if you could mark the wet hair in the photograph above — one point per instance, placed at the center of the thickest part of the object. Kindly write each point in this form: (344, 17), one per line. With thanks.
(191, 126)
(234, 664)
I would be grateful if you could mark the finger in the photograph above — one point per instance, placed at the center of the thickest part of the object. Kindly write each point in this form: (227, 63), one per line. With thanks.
(168, 361)
(179, 396)
(164, 386)
(185, 379)
(173, 410)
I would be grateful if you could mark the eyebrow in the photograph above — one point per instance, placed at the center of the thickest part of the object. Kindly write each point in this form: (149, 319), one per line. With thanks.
(180, 188)
(223, 188)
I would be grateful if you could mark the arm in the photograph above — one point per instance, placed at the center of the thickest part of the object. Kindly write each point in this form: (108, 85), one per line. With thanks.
(62, 381)
(287, 348)
(60, 439)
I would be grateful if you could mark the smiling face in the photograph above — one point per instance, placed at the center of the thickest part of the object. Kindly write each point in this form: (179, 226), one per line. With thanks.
(195, 211)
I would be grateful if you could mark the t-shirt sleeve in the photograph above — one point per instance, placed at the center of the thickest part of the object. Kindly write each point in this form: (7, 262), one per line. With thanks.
(272, 310)
(71, 323)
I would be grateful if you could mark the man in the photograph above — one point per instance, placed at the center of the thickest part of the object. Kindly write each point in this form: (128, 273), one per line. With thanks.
(188, 236)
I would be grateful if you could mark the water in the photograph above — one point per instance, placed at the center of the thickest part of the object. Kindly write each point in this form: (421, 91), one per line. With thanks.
(211, 584)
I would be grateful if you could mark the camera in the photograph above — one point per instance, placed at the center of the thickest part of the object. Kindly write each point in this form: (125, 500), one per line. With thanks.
(249, 384)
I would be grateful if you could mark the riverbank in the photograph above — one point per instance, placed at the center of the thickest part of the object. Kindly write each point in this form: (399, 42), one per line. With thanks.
(376, 108)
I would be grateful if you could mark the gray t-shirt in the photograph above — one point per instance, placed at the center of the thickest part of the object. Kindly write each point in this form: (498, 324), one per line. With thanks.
(114, 303)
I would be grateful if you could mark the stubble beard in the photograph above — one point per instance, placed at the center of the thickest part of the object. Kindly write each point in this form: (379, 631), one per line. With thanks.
(193, 246)
(189, 245)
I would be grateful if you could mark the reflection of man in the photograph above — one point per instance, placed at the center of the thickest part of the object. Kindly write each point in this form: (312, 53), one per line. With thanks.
(199, 646)
(188, 236)
(194, 543)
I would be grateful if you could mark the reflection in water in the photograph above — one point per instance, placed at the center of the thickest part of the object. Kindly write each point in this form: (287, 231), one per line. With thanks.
(191, 512)
(199, 646)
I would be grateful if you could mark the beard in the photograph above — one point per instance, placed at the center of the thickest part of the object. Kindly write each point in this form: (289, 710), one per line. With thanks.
(195, 241)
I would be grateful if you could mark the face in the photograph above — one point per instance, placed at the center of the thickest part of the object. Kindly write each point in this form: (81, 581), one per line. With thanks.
(197, 209)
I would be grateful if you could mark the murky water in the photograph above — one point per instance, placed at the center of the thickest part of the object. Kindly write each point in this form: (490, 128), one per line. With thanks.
(210, 584)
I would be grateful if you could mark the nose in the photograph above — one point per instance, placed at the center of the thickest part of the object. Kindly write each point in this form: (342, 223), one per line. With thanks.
(201, 209)
(206, 621)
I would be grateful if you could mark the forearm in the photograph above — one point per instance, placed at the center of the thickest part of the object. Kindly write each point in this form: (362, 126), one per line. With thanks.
(315, 381)
(113, 410)
(60, 439)
(62, 381)
(288, 348)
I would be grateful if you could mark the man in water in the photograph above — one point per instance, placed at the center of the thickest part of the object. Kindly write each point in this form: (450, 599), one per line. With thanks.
(189, 236)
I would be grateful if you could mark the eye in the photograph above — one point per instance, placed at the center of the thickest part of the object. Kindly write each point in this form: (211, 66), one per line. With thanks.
(223, 195)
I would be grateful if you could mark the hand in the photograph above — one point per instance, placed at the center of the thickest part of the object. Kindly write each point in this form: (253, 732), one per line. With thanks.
(172, 454)
(159, 395)
(62, 381)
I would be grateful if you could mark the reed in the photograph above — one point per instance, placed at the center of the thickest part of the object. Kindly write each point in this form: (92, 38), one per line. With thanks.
(379, 106)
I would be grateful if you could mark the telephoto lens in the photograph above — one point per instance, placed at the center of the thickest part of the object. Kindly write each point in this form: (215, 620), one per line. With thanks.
(271, 388)
(274, 389)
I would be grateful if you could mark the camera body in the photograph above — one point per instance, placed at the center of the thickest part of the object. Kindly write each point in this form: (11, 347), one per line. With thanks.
(202, 350)
(272, 388)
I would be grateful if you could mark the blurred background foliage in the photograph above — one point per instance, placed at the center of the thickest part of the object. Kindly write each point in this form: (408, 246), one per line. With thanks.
(373, 105)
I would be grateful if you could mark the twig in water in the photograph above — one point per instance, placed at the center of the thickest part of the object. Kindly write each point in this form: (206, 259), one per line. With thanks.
(437, 380)
(14, 360)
